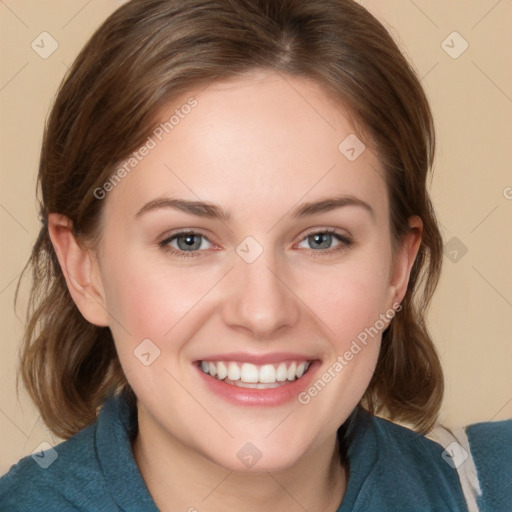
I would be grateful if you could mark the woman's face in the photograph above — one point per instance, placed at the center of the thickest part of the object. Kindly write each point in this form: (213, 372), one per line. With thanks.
(289, 269)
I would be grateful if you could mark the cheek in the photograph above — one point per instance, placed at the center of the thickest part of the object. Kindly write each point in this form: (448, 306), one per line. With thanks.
(152, 301)
(348, 299)
(149, 297)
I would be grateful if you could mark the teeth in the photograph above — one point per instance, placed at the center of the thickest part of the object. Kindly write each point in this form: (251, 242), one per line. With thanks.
(233, 371)
(292, 371)
(252, 376)
(222, 371)
(248, 373)
(281, 373)
(267, 374)
(259, 385)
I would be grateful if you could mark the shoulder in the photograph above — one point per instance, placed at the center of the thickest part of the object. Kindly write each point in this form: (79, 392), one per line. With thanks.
(395, 468)
(65, 477)
(491, 448)
(416, 458)
(471, 465)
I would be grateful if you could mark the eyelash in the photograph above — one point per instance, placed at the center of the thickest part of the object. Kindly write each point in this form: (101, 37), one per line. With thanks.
(346, 242)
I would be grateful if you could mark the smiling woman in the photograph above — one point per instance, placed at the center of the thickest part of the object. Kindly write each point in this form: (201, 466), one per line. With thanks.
(223, 325)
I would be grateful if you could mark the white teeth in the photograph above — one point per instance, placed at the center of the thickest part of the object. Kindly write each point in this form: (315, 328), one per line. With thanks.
(222, 371)
(252, 376)
(267, 374)
(259, 385)
(291, 371)
(233, 371)
(249, 373)
(281, 372)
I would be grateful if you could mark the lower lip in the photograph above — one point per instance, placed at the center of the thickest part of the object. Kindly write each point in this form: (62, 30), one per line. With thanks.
(269, 397)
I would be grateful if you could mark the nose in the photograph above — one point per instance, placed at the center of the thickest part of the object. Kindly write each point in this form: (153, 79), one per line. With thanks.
(260, 301)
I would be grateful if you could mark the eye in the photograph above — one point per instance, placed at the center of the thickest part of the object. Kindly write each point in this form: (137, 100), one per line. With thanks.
(189, 243)
(186, 242)
(325, 241)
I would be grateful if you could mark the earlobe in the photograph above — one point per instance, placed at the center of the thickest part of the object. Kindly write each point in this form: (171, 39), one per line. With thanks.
(405, 257)
(80, 269)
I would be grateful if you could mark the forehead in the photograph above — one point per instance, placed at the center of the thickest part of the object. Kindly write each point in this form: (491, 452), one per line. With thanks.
(253, 142)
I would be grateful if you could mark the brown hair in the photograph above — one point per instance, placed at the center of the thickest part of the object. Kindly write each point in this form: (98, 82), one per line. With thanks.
(149, 52)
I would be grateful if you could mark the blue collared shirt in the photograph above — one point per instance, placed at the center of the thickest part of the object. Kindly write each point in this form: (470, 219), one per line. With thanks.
(391, 469)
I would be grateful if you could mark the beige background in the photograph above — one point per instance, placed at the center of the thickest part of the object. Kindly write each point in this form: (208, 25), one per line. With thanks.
(472, 189)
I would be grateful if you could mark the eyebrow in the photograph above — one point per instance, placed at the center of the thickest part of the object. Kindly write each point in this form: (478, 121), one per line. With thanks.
(329, 204)
(198, 208)
(212, 211)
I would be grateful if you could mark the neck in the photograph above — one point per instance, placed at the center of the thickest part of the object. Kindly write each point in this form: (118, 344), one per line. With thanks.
(179, 478)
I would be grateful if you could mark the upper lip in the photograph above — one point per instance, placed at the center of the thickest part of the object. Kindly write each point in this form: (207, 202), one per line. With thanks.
(258, 359)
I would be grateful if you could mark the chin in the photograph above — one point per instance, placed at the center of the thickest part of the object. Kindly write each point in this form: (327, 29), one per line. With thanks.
(258, 455)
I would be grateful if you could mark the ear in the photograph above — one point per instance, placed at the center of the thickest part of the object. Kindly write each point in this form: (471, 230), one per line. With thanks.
(80, 268)
(404, 259)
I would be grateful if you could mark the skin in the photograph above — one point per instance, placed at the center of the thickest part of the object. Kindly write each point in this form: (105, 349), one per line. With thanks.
(258, 147)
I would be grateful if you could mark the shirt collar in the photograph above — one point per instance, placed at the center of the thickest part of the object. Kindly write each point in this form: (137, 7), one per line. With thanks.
(117, 426)
(115, 429)
(362, 454)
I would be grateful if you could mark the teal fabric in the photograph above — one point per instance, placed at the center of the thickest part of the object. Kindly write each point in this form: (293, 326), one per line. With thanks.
(392, 469)
(491, 446)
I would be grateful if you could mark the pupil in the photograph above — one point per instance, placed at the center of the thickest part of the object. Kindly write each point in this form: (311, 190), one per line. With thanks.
(322, 239)
(187, 242)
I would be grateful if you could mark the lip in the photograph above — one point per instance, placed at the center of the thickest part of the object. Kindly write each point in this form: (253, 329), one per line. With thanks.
(270, 397)
(258, 359)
